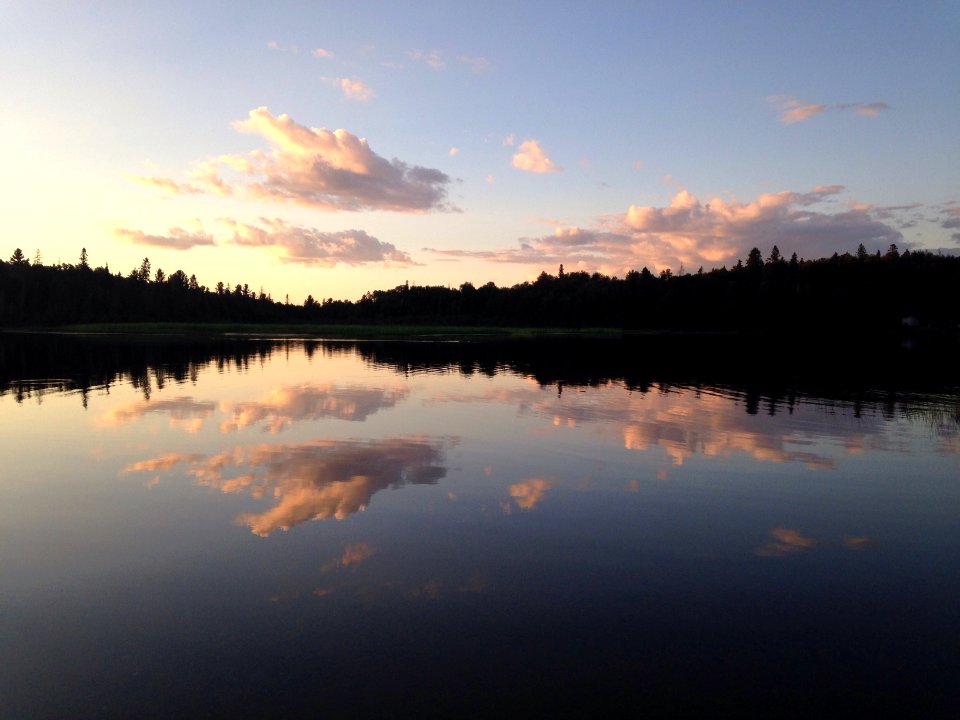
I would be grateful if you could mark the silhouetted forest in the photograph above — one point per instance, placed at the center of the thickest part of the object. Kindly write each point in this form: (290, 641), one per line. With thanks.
(859, 292)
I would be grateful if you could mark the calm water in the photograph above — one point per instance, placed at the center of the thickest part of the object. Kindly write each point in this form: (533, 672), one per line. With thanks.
(282, 529)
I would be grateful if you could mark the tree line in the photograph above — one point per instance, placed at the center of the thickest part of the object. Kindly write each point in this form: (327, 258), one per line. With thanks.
(849, 292)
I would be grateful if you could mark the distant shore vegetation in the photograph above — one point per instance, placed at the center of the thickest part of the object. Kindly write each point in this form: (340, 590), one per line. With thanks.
(858, 292)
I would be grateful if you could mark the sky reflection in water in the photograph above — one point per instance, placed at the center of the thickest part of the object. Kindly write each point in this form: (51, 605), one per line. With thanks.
(579, 544)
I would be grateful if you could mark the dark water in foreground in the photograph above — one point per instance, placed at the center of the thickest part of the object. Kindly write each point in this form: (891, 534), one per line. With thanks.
(289, 529)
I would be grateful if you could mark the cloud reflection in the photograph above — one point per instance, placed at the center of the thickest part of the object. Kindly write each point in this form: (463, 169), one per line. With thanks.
(185, 413)
(529, 493)
(312, 481)
(309, 401)
(786, 541)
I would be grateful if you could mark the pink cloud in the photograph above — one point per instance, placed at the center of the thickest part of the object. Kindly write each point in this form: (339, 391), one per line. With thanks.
(793, 110)
(352, 89)
(166, 184)
(433, 58)
(310, 481)
(528, 493)
(309, 246)
(335, 170)
(532, 158)
(322, 53)
(693, 233)
(176, 239)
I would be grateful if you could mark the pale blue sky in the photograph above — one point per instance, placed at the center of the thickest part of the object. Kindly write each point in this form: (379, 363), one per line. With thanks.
(657, 134)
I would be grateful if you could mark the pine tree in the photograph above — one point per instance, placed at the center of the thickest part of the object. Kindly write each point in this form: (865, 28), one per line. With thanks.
(17, 258)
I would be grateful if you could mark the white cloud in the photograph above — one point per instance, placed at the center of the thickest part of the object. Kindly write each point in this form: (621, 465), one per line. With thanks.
(175, 239)
(532, 158)
(309, 246)
(322, 53)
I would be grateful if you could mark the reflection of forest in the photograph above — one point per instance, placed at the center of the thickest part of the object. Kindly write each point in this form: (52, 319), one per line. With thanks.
(770, 377)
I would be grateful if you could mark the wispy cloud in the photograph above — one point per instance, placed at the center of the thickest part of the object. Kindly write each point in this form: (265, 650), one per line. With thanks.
(166, 184)
(185, 413)
(694, 233)
(786, 541)
(309, 246)
(175, 239)
(868, 109)
(475, 63)
(433, 58)
(322, 53)
(532, 158)
(793, 110)
(352, 88)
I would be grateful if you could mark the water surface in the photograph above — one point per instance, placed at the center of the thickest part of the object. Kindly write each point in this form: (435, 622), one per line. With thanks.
(280, 528)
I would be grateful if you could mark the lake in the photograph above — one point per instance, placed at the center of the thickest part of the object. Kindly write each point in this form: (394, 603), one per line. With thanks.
(285, 528)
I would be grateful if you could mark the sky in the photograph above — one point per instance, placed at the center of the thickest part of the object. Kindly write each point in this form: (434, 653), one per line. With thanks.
(334, 148)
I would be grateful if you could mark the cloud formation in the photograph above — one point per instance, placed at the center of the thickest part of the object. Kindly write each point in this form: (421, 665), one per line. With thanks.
(786, 541)
(476, 63)
(322, 53)
(176, 239)
(315, 167)
(309, 246)
(693, 233)
(185, 413)
(166, 184)
(335, 170)
(793, 110)
(528, 493)
(433, 58)
(532, 158)
(310, 481)
(309, 401)
(352, 89)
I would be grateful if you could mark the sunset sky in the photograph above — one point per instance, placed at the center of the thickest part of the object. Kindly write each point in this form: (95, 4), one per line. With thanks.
(336, 147)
